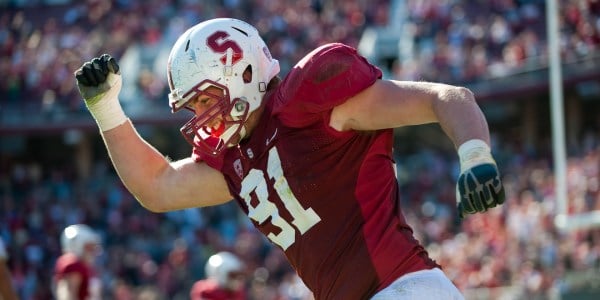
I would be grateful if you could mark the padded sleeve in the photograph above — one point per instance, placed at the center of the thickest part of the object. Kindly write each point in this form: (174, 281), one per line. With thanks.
(323, 79)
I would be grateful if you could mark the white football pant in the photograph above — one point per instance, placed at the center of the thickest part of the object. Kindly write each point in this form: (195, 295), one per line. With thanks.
(421, 285)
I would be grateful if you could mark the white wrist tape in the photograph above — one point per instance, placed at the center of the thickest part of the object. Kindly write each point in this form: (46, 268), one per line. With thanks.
(107, 115)
(106, 108)
(474, 152)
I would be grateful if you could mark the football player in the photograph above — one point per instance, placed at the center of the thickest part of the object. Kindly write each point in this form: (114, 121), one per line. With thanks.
(74, 272)
(308, 157)
(225, 279)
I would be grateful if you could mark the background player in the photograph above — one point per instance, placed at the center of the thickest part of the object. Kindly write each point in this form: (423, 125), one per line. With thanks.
(308, 159)
(225, 279)
(74, 273)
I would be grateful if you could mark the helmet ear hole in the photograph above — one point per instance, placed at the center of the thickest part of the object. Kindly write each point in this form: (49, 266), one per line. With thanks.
(247, 75)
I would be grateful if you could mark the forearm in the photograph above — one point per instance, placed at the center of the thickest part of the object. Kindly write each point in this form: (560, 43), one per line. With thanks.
(460, 117)
(158, 184)
(138, 164)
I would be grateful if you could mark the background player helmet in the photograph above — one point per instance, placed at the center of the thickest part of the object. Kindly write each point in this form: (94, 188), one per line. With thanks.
(221, 265)
(216, 53)
(74, 238)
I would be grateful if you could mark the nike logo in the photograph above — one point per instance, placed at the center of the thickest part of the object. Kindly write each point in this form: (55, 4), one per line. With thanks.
(269, 140)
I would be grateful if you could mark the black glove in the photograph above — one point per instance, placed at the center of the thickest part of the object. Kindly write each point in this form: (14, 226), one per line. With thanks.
(92, 76)
(478, 189)
(99, 82)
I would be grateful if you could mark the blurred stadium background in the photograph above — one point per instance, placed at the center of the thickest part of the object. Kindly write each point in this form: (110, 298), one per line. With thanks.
(54, 170)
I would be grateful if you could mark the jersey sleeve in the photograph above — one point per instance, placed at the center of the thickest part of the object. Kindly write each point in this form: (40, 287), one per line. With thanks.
(323, 79)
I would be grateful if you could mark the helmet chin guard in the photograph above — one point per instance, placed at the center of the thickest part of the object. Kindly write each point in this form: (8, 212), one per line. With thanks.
(224, 53)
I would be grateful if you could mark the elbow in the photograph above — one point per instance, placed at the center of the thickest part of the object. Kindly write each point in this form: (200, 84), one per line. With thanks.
(153, 208)
(453, 100)
(152, 204)
(466, 94)
(457, 93)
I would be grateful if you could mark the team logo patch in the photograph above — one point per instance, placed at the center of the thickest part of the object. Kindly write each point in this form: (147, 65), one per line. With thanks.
(237, 166)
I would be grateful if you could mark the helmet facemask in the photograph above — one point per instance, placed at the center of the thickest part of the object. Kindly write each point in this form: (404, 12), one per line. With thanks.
(219, 125)
(229, 116)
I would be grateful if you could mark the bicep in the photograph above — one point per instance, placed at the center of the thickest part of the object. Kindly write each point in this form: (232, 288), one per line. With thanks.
(187, 184)
(391, 104)
(388, 104)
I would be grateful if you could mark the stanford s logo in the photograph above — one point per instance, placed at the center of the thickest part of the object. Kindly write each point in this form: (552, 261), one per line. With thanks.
(219, 43)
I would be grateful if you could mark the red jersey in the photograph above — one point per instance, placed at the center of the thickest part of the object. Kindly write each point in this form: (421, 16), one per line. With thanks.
(328, 199)
(69, 263)
(210, 290)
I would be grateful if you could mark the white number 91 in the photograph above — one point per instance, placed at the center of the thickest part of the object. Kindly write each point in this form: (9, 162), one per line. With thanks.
(255, 181)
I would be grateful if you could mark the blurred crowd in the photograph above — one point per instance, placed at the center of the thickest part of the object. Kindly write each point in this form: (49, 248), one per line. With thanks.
(41, 45)
(519, 244)
(515, 245)
(466, 41)
(455, 41)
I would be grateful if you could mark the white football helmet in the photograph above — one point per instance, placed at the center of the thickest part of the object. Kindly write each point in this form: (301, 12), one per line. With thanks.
(216, 53)
(74, 238)
(222, 266)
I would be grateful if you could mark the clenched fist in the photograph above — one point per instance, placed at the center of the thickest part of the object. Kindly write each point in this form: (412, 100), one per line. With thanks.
(479, 186)
(99, 83)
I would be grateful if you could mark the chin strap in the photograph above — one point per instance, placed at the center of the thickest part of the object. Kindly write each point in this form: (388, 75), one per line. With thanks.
(229, 132)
